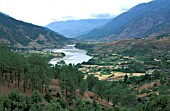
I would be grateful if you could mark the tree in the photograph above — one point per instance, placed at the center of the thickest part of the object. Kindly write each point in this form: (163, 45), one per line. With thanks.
(158, 103)
(125, 78)
(91, 80)
(55, 106)
(14, 101)
(4, 63)
(39, 72)
(108, 94)
(156, 74)
(100, 88)
(70, 78)
(83, 86)
(17, 65)
(56, 71)
(122, 96)
(48, 97)
(36, 97)
(95, 105)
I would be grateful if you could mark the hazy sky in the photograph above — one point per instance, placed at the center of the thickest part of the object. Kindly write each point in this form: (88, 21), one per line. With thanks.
(42, 12)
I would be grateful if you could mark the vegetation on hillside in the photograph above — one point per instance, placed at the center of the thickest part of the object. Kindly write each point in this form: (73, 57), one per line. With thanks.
(19, 34)
(130, 56)
(74, 90)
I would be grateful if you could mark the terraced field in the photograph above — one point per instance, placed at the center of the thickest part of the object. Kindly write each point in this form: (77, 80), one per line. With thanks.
(134, 57)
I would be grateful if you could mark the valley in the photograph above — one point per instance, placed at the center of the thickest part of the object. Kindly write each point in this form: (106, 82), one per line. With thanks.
(112, 62)
(93, 61)
(75, 28)
(114, 71)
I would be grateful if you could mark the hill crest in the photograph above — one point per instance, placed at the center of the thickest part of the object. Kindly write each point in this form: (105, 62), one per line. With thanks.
(25, 35)
(144, 20)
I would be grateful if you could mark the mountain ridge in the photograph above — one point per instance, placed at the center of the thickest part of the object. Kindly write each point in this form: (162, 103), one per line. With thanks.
(20, 34)
(124, 24)
(75, 28)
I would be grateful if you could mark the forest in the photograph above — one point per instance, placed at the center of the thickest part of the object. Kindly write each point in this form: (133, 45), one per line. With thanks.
(32, 73)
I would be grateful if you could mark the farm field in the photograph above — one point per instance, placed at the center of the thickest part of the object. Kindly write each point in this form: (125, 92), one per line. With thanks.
(111, 71)
(134, 57)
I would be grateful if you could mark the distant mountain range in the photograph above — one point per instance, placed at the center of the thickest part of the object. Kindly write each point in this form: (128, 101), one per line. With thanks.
(144, 20)
(25, 35)
(75, 28)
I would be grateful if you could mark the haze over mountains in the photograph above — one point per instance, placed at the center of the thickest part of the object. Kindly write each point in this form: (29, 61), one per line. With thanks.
(144, 20)
(24, 35)
(75, 28)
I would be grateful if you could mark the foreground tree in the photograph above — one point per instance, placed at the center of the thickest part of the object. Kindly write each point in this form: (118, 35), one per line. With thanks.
(92, 81)
(36, 97)
(83, 87)
(39, 72)
(156, 103)
(14, 101)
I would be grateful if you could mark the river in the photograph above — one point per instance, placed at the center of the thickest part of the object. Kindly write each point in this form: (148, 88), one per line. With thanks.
(73, 55)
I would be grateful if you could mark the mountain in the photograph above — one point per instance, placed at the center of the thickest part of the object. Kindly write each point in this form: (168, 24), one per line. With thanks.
(144, 20)
(75, 28)
(25, 35)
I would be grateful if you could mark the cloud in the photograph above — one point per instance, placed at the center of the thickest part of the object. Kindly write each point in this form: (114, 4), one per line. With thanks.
(42, 12)
(64, 18)
(124, 9)
(102, 16)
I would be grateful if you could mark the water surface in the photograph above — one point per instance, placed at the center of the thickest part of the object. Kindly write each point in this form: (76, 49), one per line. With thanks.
(73, 55)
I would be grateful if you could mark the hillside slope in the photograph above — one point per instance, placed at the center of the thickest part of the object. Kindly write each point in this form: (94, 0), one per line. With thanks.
(144, 20)
(151, 53)
(75, 28)
(21, 35)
